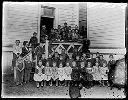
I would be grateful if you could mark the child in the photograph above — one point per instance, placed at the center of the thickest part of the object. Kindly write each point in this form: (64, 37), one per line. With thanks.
(96, 72)
(55, 73)
(39, 74)
(75, 75)
(91, 59)
(78, 61)
(61, 73)
(89, 76)
(111, 67)
(43, 60)
(68, 71)
(83, 73)
(104, 74)
(70, 60)
(19, 70)
(48, 73)
(84, 58)
(101, 61)
(28, 69)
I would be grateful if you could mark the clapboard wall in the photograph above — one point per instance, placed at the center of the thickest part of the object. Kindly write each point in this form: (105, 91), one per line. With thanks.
(82, 15)
(21, 20)
(106, 25)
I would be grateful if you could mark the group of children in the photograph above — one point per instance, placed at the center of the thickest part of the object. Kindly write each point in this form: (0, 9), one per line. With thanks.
(64, 33)
(81, 70)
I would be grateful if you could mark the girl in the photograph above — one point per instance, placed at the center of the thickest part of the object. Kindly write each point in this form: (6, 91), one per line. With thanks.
(96, 72)
(70, 60)
(48, 73)
(68, 71)
(61, 73)
(75, 75)
(19, 71)
(28, 69)
(55, 73)
(89, 76)
(39, 74)
(104, 74)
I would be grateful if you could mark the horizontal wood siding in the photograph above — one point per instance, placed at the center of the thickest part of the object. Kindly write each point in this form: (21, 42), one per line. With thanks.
(106, 24)
(21, 21)
(82, 14)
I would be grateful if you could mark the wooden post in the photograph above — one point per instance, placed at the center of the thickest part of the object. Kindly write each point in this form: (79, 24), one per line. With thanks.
(46, 48)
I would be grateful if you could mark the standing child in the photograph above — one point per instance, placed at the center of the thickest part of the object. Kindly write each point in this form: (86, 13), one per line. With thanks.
(104, 74)
(111, 67)
(28, 69)
(89, 75)
(96, 73)
(75, 75)
(39, 74)
(48, 72)
(55, 73)
(70, 59)
(19, 71)
(83, 74)
(78, 61)
(61, 73)
(68, 71)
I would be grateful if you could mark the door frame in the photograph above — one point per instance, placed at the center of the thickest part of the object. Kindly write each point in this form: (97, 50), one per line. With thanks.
(40, 6)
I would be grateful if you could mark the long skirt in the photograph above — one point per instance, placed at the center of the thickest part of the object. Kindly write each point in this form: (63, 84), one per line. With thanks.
(38, 77)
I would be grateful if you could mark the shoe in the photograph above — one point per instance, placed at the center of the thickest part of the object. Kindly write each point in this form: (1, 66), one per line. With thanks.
(37, 86)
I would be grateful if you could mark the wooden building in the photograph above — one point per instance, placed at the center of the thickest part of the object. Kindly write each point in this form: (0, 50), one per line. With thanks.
(105, 24)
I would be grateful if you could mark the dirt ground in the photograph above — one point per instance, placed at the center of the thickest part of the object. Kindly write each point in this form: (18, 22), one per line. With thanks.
(29, 90)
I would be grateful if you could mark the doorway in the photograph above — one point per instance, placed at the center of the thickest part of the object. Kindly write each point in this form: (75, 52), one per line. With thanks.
(48, 22)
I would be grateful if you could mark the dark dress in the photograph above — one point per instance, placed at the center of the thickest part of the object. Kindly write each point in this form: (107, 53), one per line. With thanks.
(111, 67)
(75, 75)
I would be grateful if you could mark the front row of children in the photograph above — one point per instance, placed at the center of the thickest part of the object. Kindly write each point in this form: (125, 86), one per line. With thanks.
(74, 72)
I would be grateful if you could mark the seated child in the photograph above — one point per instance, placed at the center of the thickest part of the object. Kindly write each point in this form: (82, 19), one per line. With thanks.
(55, 73)
(68, 71)
(39, 74)
(75, 75)
(61, 73)
(89, 75)
(19, 70)
(48, 72)
(104, 74)
(28, 69)
(96, 72)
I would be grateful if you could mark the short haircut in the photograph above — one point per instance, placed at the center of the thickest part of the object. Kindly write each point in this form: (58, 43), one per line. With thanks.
(25, 42)
(34, 33)
(17, 41)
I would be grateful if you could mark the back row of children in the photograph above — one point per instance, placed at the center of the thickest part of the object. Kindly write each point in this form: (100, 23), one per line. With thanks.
(71, 70)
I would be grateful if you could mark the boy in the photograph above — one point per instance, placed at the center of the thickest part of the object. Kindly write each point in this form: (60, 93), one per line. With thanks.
(111, 67)
(19, 70)
(39, 51)
(28, 69)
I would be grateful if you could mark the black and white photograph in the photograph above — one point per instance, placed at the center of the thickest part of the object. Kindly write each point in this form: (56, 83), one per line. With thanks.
(64, 49)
